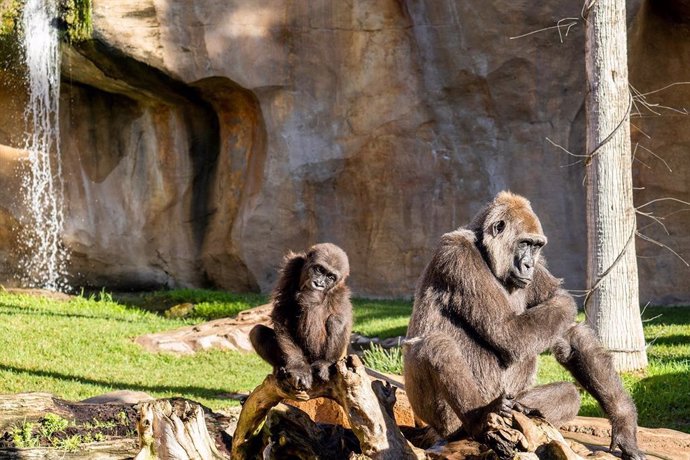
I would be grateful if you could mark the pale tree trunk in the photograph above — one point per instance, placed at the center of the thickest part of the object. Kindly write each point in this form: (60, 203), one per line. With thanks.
(613, 307)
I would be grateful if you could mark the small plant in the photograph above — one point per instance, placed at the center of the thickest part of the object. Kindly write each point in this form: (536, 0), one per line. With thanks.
(96, 424)
(122, 418)
(389, 361)
(51, 424)
(22, 435)
(76, 19)
(70, 444)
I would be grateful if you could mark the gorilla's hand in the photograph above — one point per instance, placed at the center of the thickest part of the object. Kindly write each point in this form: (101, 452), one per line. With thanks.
(497, 415)
(502, 406)
(335, 324)
(321, 369)
(297, 375)
(623, 436)
(528, 411)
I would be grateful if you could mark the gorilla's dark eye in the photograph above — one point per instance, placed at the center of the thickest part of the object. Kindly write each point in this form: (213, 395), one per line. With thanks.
(318, 269)
(331, 277)
(498, 227)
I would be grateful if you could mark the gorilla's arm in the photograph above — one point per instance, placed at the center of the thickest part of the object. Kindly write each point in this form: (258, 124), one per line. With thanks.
(338, 328)
(285, 316)
(543, 287)
(479, 300)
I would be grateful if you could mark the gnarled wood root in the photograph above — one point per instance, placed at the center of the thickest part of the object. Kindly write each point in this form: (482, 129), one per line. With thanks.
(370, 418)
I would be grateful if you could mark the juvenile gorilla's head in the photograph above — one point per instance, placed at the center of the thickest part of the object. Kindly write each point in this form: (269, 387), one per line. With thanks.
(511, 237)
(326, 266)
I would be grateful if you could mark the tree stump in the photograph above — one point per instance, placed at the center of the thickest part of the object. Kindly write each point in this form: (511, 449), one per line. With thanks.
(174, 431)
(367, 407)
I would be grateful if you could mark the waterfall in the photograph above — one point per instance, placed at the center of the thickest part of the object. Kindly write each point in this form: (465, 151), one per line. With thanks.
(46, 258)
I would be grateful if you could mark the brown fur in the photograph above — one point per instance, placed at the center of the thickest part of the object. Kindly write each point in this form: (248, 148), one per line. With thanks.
(480, 336)
(311, 328)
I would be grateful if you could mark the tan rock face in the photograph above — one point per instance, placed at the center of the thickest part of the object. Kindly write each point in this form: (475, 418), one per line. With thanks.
(202, 141)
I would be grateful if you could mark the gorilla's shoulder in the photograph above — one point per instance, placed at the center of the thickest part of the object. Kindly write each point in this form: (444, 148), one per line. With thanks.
(460, 238)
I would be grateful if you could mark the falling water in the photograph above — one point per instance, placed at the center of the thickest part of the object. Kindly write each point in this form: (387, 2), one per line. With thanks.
(42, 185)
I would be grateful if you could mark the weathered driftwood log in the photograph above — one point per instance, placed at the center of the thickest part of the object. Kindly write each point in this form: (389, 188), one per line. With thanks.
(30, 408)
(174, 431)
(223, 333)
(168, 429)
(370, 419)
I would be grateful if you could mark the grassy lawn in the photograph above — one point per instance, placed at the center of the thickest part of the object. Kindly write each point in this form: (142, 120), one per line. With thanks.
(662, 393)
(83, 347)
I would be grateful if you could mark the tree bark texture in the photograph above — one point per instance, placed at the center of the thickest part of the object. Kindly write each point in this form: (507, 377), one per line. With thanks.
(613, 306)
(174, 431)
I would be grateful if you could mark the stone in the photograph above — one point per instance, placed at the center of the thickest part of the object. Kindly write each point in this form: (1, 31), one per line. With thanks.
(203, 141)
(595, 432)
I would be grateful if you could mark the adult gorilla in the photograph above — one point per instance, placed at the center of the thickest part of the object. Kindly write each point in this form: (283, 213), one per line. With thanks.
(485, 308)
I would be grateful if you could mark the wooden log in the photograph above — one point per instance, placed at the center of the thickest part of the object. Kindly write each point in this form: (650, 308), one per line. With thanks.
(22, 408)
(293, 434)
(168, 429)
(118, 449)
(223, 333)
(371, 421)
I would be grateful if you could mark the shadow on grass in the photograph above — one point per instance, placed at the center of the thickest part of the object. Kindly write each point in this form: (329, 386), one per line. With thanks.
(159, 301)
(672, 340)
(667, 315)
(15, 310)
(193, 391)
(386, 333)
(663, 401)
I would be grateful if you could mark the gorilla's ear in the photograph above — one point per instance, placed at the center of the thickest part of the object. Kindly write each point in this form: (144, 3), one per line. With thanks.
(497, 227)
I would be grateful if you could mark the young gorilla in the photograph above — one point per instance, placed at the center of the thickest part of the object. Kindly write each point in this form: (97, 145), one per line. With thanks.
(312, 316)
(485, 308)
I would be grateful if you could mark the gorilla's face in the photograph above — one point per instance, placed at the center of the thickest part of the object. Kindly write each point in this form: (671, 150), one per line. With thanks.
(326, 267)
(512, 241)
(525, 255)
(321, 278)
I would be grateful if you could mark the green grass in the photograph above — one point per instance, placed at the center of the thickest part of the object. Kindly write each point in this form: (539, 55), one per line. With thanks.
(662, 393)
(381, 318)
(208, 304)
(84, 347)
(389, 360)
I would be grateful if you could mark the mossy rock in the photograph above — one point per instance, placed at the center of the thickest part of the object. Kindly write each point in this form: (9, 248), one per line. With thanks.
(179, 311)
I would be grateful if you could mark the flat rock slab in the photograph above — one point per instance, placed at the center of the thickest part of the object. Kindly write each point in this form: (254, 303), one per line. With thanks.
(224, 334)
(657, 443)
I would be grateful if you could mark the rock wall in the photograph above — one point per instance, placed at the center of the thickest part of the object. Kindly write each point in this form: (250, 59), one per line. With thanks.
(202, 140)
